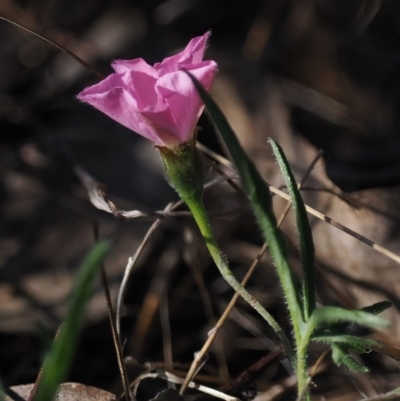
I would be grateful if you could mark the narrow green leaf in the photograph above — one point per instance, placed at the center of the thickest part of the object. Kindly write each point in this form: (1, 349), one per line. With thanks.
(341, 328)
(331, 315)
(377, 308)
(341, 357)
(304, 231)
(57, 362)
(261, 202)
(357, 344)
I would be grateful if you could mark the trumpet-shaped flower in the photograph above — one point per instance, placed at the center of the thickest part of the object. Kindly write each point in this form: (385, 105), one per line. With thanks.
(160, 102)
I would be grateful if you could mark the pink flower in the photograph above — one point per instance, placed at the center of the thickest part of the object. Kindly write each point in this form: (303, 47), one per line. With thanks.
(160, 102)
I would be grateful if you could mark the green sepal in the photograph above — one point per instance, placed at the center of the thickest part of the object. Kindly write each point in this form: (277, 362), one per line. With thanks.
(184, 169)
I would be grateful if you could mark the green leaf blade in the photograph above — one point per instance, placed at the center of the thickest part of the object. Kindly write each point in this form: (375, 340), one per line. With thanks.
(357, 344)
(304, 231)
(378, 307)
(330, 315)
(57, 363)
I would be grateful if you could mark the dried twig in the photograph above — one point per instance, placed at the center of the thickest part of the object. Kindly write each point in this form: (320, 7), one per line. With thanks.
(117, 344)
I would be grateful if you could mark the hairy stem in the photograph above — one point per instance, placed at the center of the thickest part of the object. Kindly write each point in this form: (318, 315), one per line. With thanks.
(199, 213)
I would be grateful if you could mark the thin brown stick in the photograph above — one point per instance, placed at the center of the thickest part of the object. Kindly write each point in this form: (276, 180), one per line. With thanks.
(117, 344)
(56, 45)
(153, 300)
(253, 369)
(194, 264)
(393, 395)
(378, 248)
(132, 261)
(166, 332)
(199, 357)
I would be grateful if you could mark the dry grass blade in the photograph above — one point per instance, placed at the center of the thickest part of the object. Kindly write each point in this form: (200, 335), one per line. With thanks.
(132, 261)
(117, 344)
(58, 46)
(393, 395)
(199, 357)
(116, 340)
(204, 389)
(152, 302)
(166, 332)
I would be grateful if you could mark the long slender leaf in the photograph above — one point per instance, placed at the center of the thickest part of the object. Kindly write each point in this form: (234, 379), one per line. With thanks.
(341, 328)
(57, 362)
(358, 344)
(304, 231)
(331, 314)
(377, 308)
(261, 202)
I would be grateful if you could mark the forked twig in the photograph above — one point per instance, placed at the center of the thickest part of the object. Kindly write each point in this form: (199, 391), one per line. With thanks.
(199, 357)
(172, 378)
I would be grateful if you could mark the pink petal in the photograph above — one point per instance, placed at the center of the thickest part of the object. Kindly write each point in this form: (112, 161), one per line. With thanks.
(142, 87)
(192, 54)
(160, 103)
(111, 97)
(184, 104)
(138, 64)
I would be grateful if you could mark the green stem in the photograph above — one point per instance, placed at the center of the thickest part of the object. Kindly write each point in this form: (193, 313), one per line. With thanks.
(301, 370)
(301, 354)
(196, 206)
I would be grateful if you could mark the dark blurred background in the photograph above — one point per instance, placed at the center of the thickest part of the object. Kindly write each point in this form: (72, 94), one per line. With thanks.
(311, 73)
